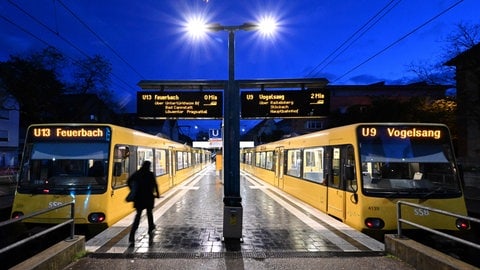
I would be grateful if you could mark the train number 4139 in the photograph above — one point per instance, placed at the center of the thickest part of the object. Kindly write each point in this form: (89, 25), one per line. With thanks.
(421, 212)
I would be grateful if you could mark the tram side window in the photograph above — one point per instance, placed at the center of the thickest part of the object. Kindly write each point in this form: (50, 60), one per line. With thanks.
(269, 160)
(144, 154)
(350, 166)
(180, 164)
(122, 165)
(313, 164)
(248, 158)
(334, 181)
(263, 160)
(196, 159)
(343, 168)
(160, 162)
(257, 159)
(187, 159)
(294, 162)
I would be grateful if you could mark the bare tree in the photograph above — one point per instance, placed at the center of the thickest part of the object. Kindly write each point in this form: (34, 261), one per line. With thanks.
(92, 75)
(33, 86)
(463, 38)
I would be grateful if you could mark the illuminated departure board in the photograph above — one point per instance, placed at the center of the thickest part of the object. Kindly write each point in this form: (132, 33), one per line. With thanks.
(179, 104)
(285, 104)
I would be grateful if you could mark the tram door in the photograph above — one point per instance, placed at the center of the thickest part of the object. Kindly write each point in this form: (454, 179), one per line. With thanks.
(336, 191)
(279, 151)
(171, 167)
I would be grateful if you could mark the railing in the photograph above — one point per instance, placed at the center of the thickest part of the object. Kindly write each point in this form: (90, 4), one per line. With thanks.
(400, 220)
(8, 179)
(8, 176)
(70, 221)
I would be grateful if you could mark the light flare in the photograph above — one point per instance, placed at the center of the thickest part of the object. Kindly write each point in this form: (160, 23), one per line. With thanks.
(196, 27)
(267, 25)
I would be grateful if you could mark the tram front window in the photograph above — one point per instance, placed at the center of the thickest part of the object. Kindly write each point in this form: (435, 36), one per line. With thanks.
(64, 168)
(412, 170)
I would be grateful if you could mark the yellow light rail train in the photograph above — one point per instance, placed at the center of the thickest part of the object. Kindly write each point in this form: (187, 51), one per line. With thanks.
(357, 173)
(90, 164)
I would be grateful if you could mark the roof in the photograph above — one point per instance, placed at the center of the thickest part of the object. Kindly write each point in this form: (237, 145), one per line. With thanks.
(243, 84)
(465, 57)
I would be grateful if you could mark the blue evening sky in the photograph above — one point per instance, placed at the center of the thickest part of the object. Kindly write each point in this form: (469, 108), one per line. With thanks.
(346, 42)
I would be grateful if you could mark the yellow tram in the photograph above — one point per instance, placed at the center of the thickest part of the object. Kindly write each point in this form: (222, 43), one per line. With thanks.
(90, 164)
(357, 173)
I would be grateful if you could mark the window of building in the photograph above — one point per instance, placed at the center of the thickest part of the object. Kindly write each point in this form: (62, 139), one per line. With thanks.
(314, 124)
(4, 114)
(3, 135)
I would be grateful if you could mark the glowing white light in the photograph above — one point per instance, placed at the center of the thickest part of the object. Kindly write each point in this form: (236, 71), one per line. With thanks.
(267, 25)
(196, 27)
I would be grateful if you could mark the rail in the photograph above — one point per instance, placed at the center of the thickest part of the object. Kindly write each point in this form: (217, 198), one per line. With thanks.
(70, 221)
(400, 220)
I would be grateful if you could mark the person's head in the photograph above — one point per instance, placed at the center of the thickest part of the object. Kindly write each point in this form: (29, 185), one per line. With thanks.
(146, 165)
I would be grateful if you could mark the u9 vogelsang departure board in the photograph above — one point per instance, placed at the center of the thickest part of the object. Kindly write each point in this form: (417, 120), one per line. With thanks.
(285, 104)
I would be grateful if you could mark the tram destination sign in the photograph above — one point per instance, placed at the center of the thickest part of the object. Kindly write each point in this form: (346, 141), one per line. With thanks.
(179, 104)
(285, 104)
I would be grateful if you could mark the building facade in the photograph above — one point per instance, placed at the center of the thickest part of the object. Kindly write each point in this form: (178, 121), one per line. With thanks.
(467, 75)
(9, 135)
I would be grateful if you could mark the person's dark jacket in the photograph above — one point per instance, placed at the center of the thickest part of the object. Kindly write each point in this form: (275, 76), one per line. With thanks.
(146, 188)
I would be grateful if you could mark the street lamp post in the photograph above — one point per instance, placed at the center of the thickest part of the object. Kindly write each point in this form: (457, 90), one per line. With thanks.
(233, 211)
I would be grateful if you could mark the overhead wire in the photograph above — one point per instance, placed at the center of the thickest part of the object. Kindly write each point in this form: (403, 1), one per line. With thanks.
(100, 38)
(56, 33)
(400, 39)
(377, 16)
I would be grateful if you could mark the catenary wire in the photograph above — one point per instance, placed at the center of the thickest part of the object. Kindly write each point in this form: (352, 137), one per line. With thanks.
(398, 40)
(56, 33)
(314, 72)
(100, 38)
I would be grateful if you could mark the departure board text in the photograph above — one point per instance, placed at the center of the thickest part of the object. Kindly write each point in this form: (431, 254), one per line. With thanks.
(285, 104)
(179, 104)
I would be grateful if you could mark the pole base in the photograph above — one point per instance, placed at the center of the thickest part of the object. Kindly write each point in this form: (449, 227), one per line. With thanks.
(232, 222)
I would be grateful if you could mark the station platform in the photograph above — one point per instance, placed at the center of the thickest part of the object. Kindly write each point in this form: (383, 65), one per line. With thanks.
(277, 228)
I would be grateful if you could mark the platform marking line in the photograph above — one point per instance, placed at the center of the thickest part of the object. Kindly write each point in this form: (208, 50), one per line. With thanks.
(339, 242)
(365, 240)
(92, 245)
(158, 212)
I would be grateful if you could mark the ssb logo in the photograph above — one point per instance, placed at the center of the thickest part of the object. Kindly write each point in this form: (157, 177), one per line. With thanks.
(214, 133)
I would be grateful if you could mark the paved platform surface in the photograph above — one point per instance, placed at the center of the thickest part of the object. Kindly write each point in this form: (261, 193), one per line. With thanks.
(279, 232)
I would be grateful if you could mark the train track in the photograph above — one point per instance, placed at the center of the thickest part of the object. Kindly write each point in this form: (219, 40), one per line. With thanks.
(452, 248)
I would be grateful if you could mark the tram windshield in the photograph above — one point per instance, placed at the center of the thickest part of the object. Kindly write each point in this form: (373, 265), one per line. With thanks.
(64, 168)
(405, 162)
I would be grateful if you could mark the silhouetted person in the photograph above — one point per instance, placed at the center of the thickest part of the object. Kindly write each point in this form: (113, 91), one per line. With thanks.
(145, 185)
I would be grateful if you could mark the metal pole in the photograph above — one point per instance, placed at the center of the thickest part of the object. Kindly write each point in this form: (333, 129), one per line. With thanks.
(399, 217)
(233, 211)
(72, 216)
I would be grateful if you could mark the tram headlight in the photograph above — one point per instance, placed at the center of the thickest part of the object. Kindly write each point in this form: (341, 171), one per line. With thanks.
(17, 214)
(462, 224)
(374, 223)
(96, 217)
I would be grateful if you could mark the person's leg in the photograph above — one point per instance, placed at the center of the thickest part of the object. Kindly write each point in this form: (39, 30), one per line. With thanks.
(135, 224)
(151, 225)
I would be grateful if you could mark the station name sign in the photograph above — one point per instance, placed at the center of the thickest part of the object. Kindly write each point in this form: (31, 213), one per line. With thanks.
(179, 104)
(285, 104)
